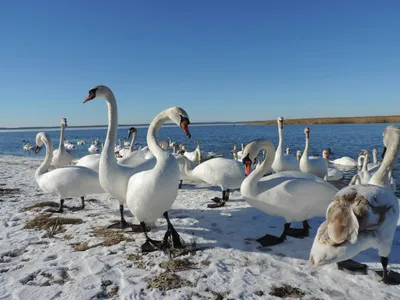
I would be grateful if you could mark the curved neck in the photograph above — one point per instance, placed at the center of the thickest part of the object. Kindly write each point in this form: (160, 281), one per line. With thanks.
(188, 169)
(251, 180)
(360, 160)
(132, 147)
(61, 145)
(381, 176)
(305, 152)
(44, 167)
(152, 132)
(111, 137)
(365, 162)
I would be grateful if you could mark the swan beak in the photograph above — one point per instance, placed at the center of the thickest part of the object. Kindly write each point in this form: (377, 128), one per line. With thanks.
(384, 152)
(247, 169)
(91, 96)
(185, 128)
(37, 149)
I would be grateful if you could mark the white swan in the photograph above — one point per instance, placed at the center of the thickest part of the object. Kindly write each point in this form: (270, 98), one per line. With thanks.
(151, 193)
(61, 157)
(361, 217)
(283, 162)
(226, 173)
(363, 176)
(293, 195)
(64, 182)
(131, 147)
(194, 156)
(27, 145)
(80, 142)
(374, 166)
(345, 161)
(113, 177)
(91, 161)
(316, 166)
(333, 174)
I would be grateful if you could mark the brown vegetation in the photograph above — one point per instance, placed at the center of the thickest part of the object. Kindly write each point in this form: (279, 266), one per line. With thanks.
(334, 120)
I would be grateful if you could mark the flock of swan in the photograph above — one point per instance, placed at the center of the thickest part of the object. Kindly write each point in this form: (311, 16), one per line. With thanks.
(361, 216)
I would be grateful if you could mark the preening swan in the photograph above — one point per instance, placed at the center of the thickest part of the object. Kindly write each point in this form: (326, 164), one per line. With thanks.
(283, 162)
(151, 193)
(226, 173)
(361, 217)
(61, 157)
(113, 177)
(64, 182)
(293, 195)
(315, 166)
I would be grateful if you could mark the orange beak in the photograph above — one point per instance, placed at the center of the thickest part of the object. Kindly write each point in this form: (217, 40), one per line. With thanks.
(185, 128)
(247, 168)
(37, 149)
(91, 96)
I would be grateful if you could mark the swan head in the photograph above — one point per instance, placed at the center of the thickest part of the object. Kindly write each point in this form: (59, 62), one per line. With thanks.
(280, 122)
(64, 122)
(131, 131)
(180, 117)
(307, 132)
(247, 164)
(299, 153)
(98, 91)
(391, 135)
(325, 154)
(41, 137)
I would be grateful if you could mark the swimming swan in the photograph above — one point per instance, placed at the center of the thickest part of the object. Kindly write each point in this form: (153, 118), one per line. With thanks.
(315, 166)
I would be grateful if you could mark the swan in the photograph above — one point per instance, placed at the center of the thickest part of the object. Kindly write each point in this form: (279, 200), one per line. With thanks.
(131, 147)
(61, 157)
(90, 161)
(65, 182)
(363, 176)
(194, 156)
(361, 217)
(374, 166)
(345, 161)
(333, 174)
(293, 195)
(113, 177)
(315, 166)
(68, 145)
(226, 173)
(283, 162)
(151, 193)
(27, 145)
(118, 147)
(80, 142)
(299, 153)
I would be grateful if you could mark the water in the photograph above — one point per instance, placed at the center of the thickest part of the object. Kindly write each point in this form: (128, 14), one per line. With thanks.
(343, 139)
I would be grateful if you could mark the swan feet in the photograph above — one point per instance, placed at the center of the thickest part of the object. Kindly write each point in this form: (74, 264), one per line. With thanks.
(139, 228)
(60, 209)
(120, 225)
(180, 184)
(82, 205)
(171, 238)
(152, 245)
(353, 267)
(270, 240)
(216, 205)
(299, 232)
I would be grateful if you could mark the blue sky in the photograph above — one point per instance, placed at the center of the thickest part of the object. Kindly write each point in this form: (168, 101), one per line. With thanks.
(220, 60)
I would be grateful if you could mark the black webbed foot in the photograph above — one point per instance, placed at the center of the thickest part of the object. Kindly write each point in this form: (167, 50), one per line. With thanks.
(270, 240)
(152, 245)
(216, 205)
(353, 267)
(119, 225)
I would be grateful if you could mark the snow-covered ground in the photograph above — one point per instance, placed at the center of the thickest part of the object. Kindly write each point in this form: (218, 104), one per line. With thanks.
(45, 264)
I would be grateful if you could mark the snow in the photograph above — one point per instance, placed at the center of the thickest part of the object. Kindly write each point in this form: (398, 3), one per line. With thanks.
(232, 265)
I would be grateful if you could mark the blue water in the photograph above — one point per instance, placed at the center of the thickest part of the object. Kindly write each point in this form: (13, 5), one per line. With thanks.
(344, 140)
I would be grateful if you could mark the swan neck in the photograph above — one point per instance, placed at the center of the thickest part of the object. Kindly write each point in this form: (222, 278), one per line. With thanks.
(111, 137)
(132, 147)
(250, 182)
(381, 176)
(365, 162)
(279, 150)
(152, 133)
(44, 167)
(375, 157)
(61, 146)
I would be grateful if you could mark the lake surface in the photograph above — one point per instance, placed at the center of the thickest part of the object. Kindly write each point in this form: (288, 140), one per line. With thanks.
(344, 140)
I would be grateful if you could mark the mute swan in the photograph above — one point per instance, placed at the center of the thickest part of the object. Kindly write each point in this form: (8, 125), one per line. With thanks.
(315, 166)
(65, 182)
(80, 142)
(68, 145)
(61, 157)
(90, 161)
(345, 161)
(363, 176)
(361, 217)
(226, 173)
(299, 153)
(113, 177)
(333, 174)
(93, 148)
(131, 148)
(151, 193)
(293, 195)
(194, 156)
(27, 145)
(283, 162)
(374, 166)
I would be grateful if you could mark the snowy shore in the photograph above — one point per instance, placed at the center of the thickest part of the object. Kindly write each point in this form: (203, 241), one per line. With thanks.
(83, 260)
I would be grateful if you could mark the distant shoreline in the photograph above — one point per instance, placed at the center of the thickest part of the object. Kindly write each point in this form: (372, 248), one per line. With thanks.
(311, 121)
(333, 120)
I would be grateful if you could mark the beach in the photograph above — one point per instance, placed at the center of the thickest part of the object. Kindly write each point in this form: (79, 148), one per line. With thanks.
(76, 257)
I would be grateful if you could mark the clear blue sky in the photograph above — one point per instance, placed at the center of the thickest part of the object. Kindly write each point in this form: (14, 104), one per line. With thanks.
(220, 60)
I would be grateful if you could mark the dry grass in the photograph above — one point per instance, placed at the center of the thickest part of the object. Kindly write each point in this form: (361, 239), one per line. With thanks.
(7, 191)
(286, 291)
(41, 204)
(47, 222)
(111, 237)
(177, 265)
(333, 120)
(168, 281)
